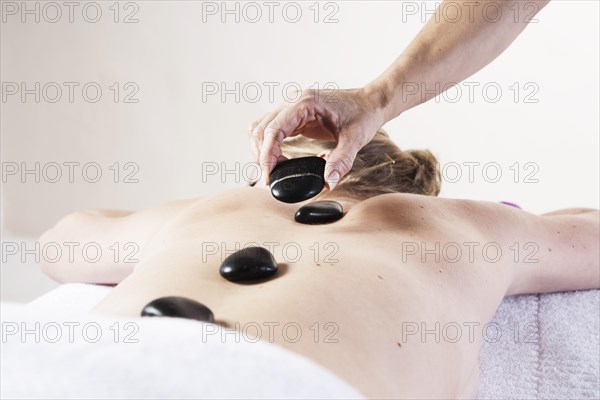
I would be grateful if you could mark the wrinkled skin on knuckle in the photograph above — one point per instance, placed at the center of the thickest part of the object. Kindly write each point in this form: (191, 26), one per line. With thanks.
(276, 133)
(331, 120)
(304, 112)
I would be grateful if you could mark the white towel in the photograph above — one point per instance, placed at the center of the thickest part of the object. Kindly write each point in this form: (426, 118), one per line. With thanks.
(91, 357)
(70, 298)
(537, 347)
(549, 348)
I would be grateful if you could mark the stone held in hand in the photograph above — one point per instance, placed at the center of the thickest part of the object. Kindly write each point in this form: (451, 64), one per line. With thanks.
(319, 212)
(178, 307)
(251, 263)
(297, 179)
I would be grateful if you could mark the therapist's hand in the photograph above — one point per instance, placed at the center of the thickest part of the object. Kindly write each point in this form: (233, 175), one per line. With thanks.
(351, 117)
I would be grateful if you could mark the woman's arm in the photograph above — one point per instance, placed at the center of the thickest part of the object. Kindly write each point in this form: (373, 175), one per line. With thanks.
(102, 246)
(555, 252)
(458, 40)
(569, 254)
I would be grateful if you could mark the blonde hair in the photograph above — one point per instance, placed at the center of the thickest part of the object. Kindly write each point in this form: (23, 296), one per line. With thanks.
(380, 167)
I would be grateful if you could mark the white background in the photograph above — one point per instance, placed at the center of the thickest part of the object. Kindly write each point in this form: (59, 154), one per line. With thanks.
(170, 54)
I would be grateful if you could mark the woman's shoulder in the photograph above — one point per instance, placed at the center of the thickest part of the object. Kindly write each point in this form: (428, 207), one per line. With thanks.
(410, 200)
(407, 208)
(403, 203)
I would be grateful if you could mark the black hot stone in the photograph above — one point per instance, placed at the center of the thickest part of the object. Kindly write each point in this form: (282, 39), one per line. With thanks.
(179, 307)
(298, 179)
(319, 212)
(248, 264)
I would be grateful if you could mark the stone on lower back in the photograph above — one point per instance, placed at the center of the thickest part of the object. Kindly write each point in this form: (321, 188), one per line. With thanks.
(179, 307)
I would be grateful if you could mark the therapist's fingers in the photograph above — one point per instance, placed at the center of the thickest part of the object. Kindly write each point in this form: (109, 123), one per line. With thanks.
(254, 124)
(285, 124)
(258, 132)
(255, 143)
(340, 160)
(270, 151)
(255, 140)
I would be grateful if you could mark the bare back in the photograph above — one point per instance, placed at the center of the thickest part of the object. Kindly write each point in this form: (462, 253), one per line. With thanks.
(354, 295)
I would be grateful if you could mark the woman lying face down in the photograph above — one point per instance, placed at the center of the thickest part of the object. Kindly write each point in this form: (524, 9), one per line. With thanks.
(379, 284)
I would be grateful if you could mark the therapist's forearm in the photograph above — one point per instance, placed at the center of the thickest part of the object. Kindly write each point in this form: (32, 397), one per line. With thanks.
(449, 49)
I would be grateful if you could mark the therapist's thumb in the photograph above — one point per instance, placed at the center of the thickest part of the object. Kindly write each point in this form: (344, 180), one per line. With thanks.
(339, 161)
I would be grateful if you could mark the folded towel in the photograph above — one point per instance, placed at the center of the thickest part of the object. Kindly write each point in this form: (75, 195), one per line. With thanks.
(549, 348)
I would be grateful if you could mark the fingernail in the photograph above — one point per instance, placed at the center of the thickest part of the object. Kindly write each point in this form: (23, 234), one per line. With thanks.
(333, 179)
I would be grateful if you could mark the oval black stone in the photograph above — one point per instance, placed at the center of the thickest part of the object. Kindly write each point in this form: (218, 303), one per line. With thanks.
(319, 212)
(179, 307)
(248, 264)
(297, 179)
